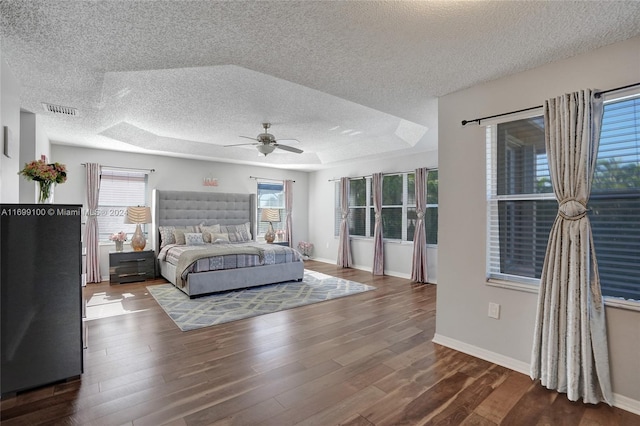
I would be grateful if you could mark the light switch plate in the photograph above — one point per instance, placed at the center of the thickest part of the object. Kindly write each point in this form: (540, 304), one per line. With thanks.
(494, 310)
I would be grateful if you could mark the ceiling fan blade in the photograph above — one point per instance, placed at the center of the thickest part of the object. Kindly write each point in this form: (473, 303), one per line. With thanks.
(288, 141)
(248, 137)
(241, 144)
(288, 148)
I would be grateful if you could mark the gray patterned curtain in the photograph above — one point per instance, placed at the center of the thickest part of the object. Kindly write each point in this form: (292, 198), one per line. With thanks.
(570, 341)
(91, 229)
(419, 266)
(344, 247)
(288, 208)
(378, 245)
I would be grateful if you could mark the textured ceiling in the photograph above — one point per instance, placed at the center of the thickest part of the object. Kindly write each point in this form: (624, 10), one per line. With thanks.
(346, 79)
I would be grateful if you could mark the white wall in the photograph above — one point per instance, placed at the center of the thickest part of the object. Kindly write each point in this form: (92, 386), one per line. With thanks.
(463, 295)
(9, 116)
(178, 175)
(322, 222)
(33, 144)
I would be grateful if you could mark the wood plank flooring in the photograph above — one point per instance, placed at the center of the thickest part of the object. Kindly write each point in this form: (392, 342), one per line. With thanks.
(363, 360)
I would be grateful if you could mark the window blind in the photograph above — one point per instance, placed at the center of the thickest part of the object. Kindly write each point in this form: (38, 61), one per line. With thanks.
(522, 207)
(119, 189)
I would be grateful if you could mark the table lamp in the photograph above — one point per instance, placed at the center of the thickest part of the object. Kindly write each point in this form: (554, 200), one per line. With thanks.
(270, 215)
(138, 215)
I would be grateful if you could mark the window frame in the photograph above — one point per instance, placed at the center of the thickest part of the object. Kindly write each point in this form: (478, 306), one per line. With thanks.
(520, 283)
(119, 210)
(260, 228)
(369, 214)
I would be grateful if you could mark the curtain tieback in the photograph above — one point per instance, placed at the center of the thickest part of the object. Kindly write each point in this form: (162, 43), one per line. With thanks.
(420, 214)
(345, 215)
(572, 209)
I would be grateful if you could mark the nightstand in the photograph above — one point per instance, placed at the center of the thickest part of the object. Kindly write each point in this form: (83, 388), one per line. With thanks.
(281, 243)
(131, 266)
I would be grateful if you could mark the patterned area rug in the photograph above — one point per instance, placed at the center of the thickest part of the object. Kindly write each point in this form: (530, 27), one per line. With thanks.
(191, 314)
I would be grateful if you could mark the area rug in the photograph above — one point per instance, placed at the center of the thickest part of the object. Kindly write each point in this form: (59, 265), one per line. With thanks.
(191, 314)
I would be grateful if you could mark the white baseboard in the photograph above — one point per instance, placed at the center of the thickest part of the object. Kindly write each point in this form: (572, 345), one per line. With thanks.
(626, 403)
(620, 401)
(496, 358)
(368, 268)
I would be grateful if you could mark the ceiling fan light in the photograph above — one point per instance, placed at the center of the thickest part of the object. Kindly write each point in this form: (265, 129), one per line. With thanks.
(265, 149)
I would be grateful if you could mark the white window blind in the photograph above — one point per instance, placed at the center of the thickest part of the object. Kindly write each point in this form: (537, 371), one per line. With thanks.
(119, 189)
(522, 207)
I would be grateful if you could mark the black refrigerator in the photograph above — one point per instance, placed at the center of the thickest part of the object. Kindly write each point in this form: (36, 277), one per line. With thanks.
(41, 295)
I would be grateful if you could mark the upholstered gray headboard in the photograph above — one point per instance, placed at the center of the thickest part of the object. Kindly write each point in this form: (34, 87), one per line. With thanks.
(182, 208)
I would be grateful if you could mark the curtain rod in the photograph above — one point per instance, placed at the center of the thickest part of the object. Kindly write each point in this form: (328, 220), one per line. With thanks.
(277, 180)
(122, 168)
(597, 95)
(390, 173)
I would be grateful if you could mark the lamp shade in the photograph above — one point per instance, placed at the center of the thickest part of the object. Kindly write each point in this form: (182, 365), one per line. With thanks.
(138, 215)
(270, 215)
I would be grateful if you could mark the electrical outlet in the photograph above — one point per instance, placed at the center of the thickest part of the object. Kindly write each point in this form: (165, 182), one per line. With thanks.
(494, 310)
(327, 245)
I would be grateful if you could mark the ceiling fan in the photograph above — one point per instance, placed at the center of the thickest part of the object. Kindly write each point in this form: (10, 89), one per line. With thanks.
(267, 143)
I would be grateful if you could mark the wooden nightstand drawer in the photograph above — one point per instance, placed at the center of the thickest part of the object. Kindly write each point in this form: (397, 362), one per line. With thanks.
(131, 266)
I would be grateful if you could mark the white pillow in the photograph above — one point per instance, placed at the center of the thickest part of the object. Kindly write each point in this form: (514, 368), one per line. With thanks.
(193, 239)
(220, 238)
(208, 230)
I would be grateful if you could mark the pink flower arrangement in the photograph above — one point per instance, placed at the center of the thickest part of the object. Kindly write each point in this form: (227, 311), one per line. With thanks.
(40, 171)
(46, 174)
(120, 236)
(305, 248)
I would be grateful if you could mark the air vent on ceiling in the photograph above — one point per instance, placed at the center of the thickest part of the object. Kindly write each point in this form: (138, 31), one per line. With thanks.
(59, 109)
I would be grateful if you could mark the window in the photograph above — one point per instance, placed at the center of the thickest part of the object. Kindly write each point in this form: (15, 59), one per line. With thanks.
(360, 202)
(119, 189)
(431, 209)
(522, 206)
(398, 207)
(270, 195)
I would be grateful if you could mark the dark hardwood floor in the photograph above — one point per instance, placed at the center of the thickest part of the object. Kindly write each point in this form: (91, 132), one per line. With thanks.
(365, 359)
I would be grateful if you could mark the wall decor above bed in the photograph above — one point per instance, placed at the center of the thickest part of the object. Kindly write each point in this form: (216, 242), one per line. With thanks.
(231, 258)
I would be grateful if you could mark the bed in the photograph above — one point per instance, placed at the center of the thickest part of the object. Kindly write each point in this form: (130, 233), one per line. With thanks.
(216, 267)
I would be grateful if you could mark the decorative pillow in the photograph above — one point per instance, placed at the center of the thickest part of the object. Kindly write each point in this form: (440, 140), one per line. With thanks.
(219, 238)
(178, 235)
(238, 233)
(166, 235)
(193, 239)
(208, 230)
(248, 226)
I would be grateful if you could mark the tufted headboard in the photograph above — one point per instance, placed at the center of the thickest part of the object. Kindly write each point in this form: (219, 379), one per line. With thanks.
(182, 208)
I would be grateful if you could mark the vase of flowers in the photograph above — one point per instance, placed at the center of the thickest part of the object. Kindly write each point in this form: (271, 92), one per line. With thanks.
(47, 175)
(119, 238)
(305, 248)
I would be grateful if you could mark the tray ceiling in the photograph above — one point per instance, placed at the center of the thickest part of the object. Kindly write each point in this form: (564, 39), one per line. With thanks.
(347, 80)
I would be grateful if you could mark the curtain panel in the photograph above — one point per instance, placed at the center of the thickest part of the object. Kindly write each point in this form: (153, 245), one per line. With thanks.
(344, 246)
(378, 244)
(288, 208)
(570, 351)
(91, 228)
(419, 260)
